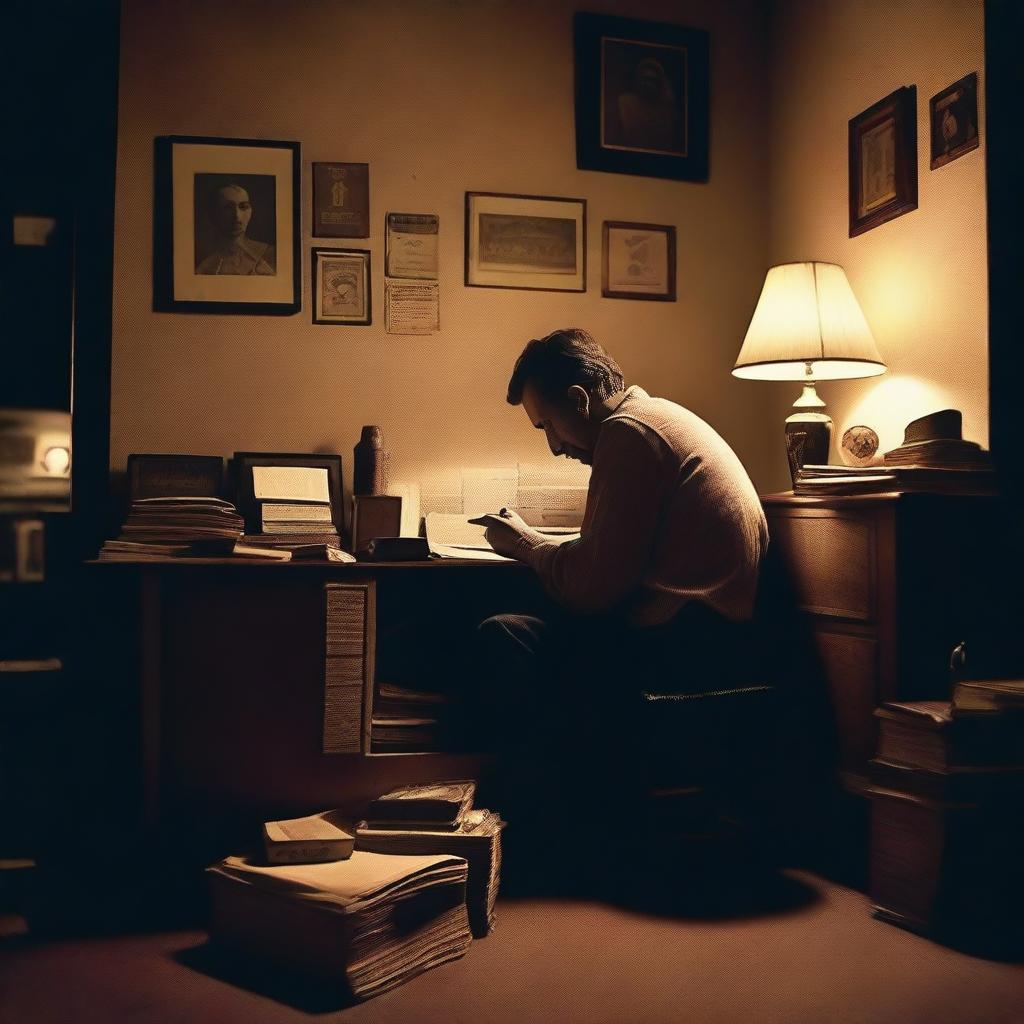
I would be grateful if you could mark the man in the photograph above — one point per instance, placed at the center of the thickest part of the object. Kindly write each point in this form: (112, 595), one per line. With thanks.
(673, 532)
(235, 253)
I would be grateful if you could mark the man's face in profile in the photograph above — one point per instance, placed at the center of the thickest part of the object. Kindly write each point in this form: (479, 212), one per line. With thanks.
(232, 211)
(563, 426)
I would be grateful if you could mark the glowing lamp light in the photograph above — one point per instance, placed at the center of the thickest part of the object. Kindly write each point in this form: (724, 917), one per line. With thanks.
(808, 327)
(56, 461)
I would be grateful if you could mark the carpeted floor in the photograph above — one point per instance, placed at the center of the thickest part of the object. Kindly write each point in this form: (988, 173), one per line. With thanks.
(815, 956)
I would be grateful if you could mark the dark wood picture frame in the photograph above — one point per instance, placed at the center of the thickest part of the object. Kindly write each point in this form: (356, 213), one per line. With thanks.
(641, 98)
(187, 171)
(953, 121)
(497, 258)
(359, 258)
(887, 130)
(170, 475)
(657, 287)
(240, 469)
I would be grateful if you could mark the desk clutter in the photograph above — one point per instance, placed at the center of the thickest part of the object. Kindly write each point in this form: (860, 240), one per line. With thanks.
(372, 907)
(947, 816)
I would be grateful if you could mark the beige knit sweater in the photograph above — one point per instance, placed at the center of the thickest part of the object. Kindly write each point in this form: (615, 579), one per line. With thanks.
(671, 517)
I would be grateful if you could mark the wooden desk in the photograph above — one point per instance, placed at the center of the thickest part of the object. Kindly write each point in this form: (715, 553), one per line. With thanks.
(889, 584)
(233, 658)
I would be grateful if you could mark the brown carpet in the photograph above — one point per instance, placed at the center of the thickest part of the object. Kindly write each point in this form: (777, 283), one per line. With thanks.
(823, 960)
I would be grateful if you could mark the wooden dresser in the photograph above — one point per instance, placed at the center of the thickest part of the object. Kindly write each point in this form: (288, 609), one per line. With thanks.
(888, 583)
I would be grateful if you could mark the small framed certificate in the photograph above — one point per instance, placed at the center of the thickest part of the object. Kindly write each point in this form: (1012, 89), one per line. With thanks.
(341, 286)
(341, 200)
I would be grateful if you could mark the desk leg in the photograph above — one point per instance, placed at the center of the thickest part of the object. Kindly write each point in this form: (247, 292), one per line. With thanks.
(151, 657)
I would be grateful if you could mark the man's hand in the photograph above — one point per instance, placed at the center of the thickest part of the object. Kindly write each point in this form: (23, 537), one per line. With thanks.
(504, 531)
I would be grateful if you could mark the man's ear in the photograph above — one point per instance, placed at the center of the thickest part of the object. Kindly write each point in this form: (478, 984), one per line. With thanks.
(579, 399)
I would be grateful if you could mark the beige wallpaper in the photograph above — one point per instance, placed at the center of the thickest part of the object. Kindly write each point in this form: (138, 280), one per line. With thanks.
(439, 97)
(921, 279)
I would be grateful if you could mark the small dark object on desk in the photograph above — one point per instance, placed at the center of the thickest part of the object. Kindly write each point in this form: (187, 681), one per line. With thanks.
(397, 549)
(164, 476)
(937, 440)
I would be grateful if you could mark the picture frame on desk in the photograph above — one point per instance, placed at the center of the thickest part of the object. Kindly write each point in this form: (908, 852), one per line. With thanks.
(641, 98)
(168, 475)
(883, 161)
(535, 243)
(226, 226)
(248, 496)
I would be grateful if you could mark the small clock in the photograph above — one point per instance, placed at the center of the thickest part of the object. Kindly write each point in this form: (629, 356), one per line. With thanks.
(859, 446)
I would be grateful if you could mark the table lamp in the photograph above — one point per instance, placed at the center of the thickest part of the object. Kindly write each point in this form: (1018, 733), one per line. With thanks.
(807, 327)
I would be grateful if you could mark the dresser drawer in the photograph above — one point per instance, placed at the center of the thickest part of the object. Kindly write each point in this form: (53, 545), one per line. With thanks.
(832, 562)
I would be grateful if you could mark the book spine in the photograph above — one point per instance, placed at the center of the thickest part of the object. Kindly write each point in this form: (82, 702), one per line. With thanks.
(308, 853)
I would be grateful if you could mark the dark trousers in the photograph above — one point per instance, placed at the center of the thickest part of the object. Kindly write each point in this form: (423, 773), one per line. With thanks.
(561, 701)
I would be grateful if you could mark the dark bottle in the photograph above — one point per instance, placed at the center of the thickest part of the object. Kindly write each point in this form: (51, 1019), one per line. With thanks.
(370, 464)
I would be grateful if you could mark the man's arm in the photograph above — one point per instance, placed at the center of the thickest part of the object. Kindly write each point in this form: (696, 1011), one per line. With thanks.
(596, 572)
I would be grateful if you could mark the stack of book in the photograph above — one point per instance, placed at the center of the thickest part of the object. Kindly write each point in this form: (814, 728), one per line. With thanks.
(166, 527)
(370, 922)
(947, 809)
(288, 524)
(406, 721)
(829, 480)
(438, 818)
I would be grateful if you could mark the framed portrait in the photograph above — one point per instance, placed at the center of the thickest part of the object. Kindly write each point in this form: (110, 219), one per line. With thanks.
(273, 476)
(531, 242)
(883, 161)
(953, 116)
(341, 286)
(641, 98)
(226, 226)
(638, 261)
(341, 200)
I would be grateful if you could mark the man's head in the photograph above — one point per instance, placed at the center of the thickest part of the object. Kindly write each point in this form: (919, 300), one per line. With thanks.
(231, 210)
(562, 381)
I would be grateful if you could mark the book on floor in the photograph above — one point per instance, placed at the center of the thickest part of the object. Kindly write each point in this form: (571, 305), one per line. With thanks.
(478, 839)
(369, 923)
(435, 806)
(313, 839)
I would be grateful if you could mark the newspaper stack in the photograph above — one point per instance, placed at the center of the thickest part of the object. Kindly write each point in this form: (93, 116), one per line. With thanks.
(478, 839)
(370, 922)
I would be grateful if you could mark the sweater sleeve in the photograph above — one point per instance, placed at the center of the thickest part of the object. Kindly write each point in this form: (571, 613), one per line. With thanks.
(624, 503)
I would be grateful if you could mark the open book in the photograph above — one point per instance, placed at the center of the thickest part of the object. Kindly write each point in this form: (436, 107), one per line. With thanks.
(454, 536)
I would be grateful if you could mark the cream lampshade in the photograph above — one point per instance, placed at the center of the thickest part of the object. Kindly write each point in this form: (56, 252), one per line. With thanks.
(808, 327)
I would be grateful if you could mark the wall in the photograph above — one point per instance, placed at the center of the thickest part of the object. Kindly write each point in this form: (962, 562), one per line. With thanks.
(440, 97)
(922, 278)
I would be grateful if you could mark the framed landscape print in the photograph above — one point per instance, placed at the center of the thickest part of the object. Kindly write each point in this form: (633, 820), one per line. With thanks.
(638, 261)
(953, 116)
(641, 98)
(883, 161)
(531, 242)
(341, 286)
(226, 226)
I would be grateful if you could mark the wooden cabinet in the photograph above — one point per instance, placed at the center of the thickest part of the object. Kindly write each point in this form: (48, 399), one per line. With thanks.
(889, 583)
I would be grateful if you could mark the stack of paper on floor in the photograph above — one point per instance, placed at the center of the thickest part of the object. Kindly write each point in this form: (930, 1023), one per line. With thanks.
(314, 839)
(434, 806)
(478, 839)
(370, 922)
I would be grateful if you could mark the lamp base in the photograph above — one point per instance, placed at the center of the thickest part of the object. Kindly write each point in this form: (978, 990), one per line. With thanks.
(808, 438)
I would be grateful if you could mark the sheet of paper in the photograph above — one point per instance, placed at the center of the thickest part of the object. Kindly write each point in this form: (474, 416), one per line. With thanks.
(488, 490)
(290, 483)
(452, 536)
(411, 245)
(411, 308)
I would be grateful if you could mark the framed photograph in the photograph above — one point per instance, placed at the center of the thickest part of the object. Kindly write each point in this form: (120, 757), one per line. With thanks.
(226, 226)
(532, 242)
(165, 476)
(341, 200)
(638, 261)
(883, 161)
(954, 120)
(341, 286)
(641, 98)
(273, 476)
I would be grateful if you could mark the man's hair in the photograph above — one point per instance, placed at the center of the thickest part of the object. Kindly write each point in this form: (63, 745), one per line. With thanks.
(564, 358)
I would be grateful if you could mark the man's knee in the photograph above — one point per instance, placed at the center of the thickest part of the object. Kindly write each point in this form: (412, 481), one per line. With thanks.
(508, 634)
